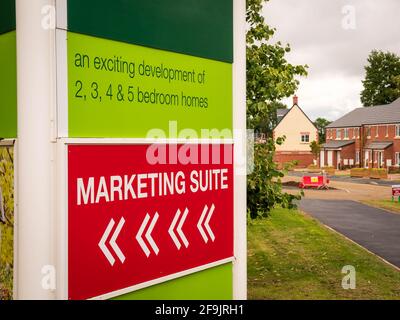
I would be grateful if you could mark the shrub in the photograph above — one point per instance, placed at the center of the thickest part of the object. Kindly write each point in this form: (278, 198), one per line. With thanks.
(359, 172)
(264, 185)
(394, 170)
(378, 173)
(329, 170)
(374, 173)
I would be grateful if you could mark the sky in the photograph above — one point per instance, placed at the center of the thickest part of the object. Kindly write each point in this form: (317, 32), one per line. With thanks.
(334, 38)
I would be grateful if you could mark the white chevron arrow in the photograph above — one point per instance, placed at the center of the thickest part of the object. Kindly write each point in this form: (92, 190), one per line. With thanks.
(113, 240)
(206, 223)
(139, 236)
(148, 236)
(179, 229)
(113, 243)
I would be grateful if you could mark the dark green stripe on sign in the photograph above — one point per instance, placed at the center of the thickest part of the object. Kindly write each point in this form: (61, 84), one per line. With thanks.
(7, 15)
(200, 28)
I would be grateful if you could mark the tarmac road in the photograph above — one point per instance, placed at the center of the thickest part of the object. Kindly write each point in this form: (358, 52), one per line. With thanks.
(375, 229)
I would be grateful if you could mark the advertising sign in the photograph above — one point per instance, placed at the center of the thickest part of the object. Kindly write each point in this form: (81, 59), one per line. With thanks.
(396, 191)
(141, 213)
(111, 83)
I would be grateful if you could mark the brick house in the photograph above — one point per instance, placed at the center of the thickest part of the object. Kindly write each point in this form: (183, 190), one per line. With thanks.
(299, 131)
(367, 137)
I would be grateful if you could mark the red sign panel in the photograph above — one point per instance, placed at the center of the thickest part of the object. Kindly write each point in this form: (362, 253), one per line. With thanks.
(138, 213)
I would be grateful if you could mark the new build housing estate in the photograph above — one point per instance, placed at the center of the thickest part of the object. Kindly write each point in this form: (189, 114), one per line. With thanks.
(367, 137)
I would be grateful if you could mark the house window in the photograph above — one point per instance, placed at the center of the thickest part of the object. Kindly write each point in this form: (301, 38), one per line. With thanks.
(387, 132)
(346, 133)
(397, 158)
(377, 132)
(357, 157)
(397, 130)
(305, 137)
(357, 134)
(338, 134)
(368, 132)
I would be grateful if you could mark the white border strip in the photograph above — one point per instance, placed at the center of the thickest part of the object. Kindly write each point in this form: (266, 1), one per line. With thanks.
(61, 14)
(62, 83)
(119, 141)
(61, 221)
(239, 125)
(162, 279)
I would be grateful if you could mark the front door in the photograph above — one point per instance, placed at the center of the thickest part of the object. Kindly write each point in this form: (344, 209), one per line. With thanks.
(338, 160)
(380, 159)
(366, 159)
(330, 158)
(322, 159)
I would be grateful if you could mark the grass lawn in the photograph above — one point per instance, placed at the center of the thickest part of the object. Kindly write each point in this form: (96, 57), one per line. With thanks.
(390, 205)
(292, 256)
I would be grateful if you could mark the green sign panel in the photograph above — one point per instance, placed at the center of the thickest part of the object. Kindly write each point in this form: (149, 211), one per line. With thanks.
(200, 28)
(209, 284)
(118, 89)
(8, 85)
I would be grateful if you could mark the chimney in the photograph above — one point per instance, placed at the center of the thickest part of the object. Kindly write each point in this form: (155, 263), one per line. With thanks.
(295, 100)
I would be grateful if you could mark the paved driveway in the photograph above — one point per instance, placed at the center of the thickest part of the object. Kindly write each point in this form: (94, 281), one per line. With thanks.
(375, 229)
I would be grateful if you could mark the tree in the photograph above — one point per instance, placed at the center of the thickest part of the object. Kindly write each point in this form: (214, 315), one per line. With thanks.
(315, 149)
(382, 79)
(264, 186)
(270, 78)
(267, 125)
(321, 124)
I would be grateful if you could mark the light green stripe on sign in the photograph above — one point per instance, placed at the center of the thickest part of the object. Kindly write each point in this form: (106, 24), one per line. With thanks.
(8, 85)
(210, 284)
(124, 90)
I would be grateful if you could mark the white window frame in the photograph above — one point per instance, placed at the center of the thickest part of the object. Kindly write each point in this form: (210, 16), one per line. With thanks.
(397, 159)
(357, 157)
(397, 130)
(304, 135)
(346, 133)
(338, 134)
(368, 128)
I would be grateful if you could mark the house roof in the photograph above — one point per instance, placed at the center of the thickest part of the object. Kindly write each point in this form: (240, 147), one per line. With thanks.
(337, 144)
(379, 145)
(385, 114)
(281, 113)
